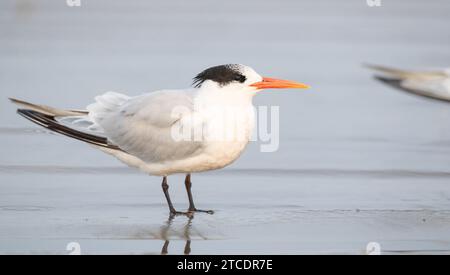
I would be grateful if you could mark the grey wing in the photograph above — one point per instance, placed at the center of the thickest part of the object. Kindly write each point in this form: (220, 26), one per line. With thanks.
(142, 126)
(403, 74)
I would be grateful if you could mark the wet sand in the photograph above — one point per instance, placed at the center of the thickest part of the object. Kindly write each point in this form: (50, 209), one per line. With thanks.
(113, 209)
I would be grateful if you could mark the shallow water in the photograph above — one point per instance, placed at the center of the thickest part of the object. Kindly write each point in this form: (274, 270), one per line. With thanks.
(357, 163)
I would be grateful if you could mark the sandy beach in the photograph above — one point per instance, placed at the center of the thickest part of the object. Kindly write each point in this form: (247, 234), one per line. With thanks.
(358, 162)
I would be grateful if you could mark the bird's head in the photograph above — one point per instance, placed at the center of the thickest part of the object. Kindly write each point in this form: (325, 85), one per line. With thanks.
(239, 77)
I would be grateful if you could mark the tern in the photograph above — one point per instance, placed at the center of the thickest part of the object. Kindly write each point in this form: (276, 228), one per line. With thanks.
(433, 84)
(142, 131)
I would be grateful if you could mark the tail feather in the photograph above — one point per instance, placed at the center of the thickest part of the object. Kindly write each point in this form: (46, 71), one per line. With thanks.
(77, 124)
(47, 110)
(48, 121)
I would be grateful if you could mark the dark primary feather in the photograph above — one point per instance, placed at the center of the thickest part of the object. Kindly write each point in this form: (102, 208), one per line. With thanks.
(50, 123)
(397, 83)
(222, 74)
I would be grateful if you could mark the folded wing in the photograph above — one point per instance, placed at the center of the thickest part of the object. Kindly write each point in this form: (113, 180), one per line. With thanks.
(142, 125)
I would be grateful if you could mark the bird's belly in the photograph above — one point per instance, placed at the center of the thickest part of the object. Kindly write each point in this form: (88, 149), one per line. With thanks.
(220, 154)
(216, 152)
(215, 155)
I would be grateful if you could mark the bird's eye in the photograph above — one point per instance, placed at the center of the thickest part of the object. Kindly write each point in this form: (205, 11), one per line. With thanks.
(240, 78)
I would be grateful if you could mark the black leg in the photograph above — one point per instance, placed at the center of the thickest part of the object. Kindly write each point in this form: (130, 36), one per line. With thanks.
(188, 184)
(192, 208)
(165, 188)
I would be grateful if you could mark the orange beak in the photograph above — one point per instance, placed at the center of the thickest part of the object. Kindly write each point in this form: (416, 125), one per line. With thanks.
(273, 83)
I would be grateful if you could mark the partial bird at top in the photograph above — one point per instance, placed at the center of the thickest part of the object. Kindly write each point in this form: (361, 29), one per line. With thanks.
(433, 84)
(149, 131)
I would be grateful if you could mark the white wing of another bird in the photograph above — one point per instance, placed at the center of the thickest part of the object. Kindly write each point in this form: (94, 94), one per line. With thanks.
(431, 84)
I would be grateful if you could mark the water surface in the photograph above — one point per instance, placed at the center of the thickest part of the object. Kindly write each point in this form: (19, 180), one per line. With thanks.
(357, 163)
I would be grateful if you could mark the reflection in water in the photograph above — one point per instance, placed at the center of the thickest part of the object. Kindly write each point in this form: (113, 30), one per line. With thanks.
(186, 234)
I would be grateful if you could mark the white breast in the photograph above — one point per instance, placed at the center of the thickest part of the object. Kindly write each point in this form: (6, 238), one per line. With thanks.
(228, 135)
